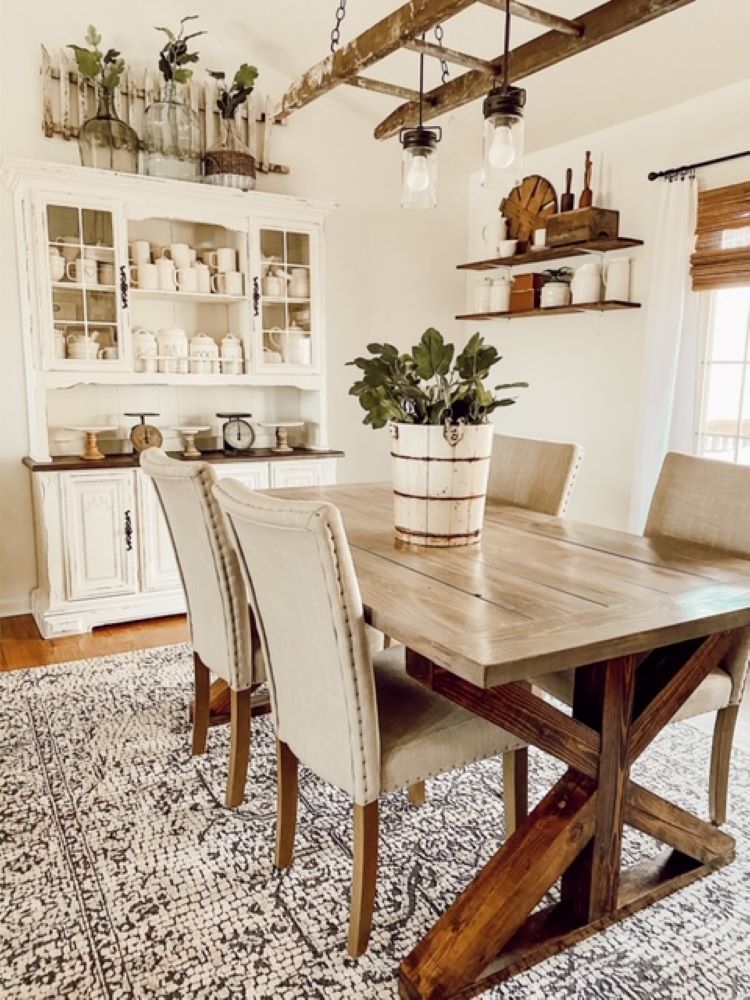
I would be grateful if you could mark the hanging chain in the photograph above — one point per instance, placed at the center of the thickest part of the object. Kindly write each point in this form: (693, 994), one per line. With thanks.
(336, 33)
(444, 71)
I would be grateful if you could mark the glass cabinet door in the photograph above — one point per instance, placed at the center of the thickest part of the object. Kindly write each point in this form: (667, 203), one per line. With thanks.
(287, 299)
(87, 292)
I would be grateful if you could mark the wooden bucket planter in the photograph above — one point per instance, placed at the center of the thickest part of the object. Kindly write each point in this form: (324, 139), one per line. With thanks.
(440, 482)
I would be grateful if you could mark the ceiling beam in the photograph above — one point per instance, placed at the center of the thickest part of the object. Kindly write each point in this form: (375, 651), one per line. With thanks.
(599, 25)
(374, 44)
(528, 13)
(381, 87)
(450, 55)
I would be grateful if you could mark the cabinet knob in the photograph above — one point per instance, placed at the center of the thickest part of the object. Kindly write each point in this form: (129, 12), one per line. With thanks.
(128, 532)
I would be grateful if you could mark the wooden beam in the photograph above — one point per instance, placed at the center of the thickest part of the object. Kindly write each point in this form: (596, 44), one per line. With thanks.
(450, 55)
(381, 87)
(374, 44)
(616, 17)
(527, 13)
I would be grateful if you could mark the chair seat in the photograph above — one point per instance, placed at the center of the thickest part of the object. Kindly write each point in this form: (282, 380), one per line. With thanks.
(423, 734)
(711, 695)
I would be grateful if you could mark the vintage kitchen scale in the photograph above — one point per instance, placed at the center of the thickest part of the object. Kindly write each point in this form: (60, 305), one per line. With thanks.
(237, 433)
(143, 435)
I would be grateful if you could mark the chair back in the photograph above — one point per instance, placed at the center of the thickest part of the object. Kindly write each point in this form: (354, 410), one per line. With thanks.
(704, 501)
(308, 609)
(219, 615)
(537, 475)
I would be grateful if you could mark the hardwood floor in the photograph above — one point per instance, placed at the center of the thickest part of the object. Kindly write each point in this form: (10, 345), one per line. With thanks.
(21, 645)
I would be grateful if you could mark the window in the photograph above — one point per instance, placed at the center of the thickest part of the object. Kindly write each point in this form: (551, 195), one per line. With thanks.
(721, 271)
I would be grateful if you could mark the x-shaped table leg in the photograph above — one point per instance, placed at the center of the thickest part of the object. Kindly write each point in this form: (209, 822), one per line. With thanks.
(575, 832)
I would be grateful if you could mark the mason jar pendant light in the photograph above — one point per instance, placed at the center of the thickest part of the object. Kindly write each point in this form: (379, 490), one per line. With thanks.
(419, 158)
(502, 156)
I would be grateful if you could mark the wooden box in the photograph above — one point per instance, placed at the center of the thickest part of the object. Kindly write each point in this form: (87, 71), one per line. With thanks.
(523, 301)
(525, 282)
(582, 225)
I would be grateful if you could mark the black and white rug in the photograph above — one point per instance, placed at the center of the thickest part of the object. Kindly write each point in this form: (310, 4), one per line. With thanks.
(125, 876)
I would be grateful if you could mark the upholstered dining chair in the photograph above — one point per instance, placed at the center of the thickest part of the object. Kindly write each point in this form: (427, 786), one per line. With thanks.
(361, 723)
(707, 502)
(538, 475)
(221, 627)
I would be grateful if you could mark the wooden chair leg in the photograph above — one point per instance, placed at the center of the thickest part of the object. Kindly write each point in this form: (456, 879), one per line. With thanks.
(239, 747)
(202, 705)
(364, 876)
(418, 793)
(286, 804)
(726, 719)
(515, 788)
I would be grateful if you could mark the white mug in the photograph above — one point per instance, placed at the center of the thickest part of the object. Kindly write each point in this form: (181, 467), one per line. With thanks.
(187, 279)
(145, 276)
(229, 283)
(106, 274)
(108, 353)
(179, 253)
(224, 259)
(81, 269)
(140, 252)
(165, 274)
(203, 275)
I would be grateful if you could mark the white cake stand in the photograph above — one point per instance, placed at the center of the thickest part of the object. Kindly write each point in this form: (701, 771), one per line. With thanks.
(188, 434)
(91, 448)
(282, 429)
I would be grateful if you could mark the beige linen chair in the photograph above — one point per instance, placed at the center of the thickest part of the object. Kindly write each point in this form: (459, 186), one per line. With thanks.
(707, 502)
(367, 731)
(537, 475)
(221, 627)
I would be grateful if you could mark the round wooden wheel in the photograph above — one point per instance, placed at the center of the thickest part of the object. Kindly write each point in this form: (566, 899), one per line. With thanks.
(528, 206)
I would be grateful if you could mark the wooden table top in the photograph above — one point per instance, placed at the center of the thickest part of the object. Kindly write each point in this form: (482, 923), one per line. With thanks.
(538, 594)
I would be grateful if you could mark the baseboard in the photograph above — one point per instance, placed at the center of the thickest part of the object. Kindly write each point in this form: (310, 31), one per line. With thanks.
(9, 608)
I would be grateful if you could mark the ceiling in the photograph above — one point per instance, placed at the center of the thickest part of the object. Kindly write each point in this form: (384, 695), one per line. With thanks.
(698, 48)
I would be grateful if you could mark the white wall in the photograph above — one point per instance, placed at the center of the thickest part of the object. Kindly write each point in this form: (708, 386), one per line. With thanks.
(390, 273)
(585, 369)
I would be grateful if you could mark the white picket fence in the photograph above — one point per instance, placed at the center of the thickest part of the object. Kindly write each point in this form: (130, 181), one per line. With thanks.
(68, 99)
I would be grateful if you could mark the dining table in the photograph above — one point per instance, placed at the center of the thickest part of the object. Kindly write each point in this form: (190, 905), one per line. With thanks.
(643, 621)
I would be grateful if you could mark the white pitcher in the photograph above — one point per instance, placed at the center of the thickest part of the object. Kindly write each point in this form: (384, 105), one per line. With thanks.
(617, 279)
(586, 285)
(299, 283)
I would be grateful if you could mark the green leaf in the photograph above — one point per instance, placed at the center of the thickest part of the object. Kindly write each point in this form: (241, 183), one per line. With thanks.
(89, 63)
(432, 355)
(217, 74)
(168, 32)
(182, 75)
(92, 36)
(246, 75)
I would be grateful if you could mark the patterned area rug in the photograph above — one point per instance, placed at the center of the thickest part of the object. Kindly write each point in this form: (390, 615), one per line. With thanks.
(124, 875)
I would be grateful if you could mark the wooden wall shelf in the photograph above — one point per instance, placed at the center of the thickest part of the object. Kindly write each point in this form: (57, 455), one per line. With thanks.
(552, 253)
(606, 306)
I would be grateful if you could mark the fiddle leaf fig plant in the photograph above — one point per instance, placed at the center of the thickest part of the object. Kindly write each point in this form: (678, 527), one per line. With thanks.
(430, 385)
(232, 97)
(93, 64)
(174, 57)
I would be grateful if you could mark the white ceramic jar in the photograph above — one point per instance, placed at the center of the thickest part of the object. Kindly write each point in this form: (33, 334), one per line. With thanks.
(586, 285)
(500, 294)
(617, 279)
(482, 296)
(555, 293)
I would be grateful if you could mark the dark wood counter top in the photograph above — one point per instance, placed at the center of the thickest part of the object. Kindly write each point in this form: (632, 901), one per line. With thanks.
(72, 463)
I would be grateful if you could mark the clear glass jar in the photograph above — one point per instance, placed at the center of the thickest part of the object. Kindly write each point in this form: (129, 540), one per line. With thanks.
(106, 141)
(171, 138)
(229, 162)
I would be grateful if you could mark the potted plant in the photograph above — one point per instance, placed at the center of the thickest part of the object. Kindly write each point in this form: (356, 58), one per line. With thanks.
(171, 127)
(104, 141)
(229, 162)
(556, 287)
(438, 407)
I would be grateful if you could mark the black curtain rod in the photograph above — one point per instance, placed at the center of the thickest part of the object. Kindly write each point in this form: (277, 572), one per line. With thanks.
(676, 171)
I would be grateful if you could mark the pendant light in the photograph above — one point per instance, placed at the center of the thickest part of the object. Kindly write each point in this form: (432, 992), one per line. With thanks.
(419, 158)
(502, 156)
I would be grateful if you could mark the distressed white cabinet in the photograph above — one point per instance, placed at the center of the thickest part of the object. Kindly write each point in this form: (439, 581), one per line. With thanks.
(301, 473)
(156, 557)
(98, 519)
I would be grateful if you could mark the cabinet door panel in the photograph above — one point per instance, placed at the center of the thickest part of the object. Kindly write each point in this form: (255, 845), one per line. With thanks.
(99, 534)
(254, 475)
(297, 473)
(155, 550)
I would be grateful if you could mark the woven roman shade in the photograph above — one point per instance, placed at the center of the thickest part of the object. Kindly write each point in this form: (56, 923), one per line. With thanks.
(722, 238)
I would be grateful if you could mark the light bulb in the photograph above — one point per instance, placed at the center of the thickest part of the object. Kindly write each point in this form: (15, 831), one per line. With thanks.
(418, 178)
(502, 150)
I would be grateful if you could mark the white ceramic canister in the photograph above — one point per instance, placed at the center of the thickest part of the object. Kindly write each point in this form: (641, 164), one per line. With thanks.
(173, 349)
(145, 349)
(482, 296)
(231, 355)
(500, 293)
(203, 352)
(617, 279)
(555, 293)
(586, 285)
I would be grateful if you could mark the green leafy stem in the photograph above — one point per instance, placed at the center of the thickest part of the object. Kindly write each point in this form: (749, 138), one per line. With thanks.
(93, 64)
(231, 97)
(427, 386)
(174, 57)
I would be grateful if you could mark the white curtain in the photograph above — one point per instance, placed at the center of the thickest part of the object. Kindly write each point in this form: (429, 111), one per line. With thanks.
(670, 355)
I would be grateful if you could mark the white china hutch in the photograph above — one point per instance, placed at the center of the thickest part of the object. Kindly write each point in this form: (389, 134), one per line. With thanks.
(103, 550)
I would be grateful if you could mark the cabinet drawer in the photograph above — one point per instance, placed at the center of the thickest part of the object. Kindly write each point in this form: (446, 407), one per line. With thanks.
(254, 475)
(300, 473)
